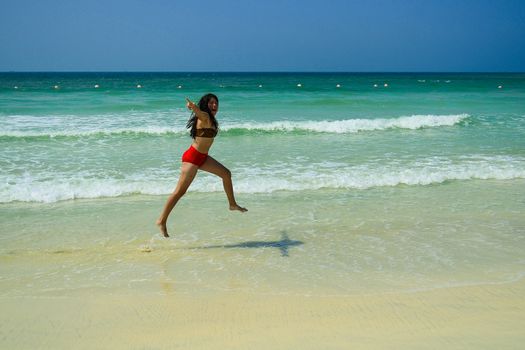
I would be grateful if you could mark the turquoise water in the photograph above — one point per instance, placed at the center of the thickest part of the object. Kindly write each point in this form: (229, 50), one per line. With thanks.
(78, 141)
(378, 186)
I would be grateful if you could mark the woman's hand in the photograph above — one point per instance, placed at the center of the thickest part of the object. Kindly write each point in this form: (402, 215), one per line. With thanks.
(191, 106)
(198, 113)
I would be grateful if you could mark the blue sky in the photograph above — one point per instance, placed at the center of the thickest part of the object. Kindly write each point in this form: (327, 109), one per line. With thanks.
(262, 35)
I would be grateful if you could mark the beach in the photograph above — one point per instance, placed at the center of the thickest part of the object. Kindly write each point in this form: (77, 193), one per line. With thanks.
(379, 216)
(480, 317)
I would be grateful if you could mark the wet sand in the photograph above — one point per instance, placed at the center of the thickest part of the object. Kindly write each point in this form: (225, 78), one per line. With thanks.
(472, 317)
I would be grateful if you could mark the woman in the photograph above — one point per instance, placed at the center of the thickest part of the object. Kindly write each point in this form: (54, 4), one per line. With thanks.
(204, 128)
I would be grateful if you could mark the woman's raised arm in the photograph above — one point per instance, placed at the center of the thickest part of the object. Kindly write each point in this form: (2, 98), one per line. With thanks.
(193, 107)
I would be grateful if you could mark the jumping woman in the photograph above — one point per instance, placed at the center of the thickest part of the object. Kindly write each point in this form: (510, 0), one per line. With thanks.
(203, 129)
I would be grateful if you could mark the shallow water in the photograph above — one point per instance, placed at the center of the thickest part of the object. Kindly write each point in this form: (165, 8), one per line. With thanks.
(309, 243)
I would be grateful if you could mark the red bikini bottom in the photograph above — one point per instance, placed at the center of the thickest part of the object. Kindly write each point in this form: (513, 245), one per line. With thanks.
(194, 157)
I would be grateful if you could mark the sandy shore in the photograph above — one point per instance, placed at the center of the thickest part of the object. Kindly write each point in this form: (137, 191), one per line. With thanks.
(474, 317)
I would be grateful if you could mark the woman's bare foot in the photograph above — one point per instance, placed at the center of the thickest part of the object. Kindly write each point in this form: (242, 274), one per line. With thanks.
(237, 207)
(162, 225)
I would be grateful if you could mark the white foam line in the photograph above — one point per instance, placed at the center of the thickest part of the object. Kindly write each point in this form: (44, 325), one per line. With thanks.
(46, 188)
(92, 126)
(354, 125)
(117, 131)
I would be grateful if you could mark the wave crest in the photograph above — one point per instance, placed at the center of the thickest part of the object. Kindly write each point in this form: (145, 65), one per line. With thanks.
(32, 188)
(352, 125)
(98, 127)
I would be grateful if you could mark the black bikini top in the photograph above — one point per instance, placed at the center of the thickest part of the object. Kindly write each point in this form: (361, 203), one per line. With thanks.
(206, 132)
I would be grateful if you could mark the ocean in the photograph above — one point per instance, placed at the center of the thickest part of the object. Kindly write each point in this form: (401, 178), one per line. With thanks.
(355, 183)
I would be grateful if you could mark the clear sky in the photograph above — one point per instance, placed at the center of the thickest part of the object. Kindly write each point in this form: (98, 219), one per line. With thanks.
(262, 35)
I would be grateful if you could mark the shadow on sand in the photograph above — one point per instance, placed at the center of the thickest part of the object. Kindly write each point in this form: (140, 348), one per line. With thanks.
(283, 245)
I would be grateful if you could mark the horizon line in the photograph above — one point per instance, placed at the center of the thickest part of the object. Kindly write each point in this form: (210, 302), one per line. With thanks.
(269, 72)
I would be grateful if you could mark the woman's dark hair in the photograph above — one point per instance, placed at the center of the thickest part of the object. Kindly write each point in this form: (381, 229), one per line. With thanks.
(203, 106)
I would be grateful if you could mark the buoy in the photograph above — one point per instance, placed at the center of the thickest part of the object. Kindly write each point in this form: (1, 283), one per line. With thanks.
(386, 85)
(500, 87)
(139, 86)
(260, 86)
(56, 86)
(96, 86)
(338, 86)
(299, 85)
(16, 87)
(179, 87)
(375, 85)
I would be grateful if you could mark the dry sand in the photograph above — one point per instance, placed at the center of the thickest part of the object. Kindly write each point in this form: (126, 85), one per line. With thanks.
(473, 317)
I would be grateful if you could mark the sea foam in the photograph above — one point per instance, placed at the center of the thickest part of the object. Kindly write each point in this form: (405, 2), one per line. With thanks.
(151, 124)
(316, 176)
(353, 125)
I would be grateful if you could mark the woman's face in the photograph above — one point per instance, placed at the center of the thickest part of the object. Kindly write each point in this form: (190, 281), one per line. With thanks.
(213, 105)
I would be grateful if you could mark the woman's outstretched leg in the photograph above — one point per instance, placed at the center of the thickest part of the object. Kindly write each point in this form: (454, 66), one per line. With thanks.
(187, 174)
(216, 168)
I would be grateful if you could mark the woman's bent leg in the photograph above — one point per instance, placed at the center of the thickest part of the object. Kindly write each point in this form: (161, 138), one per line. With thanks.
(187, 174)
(216, 168)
